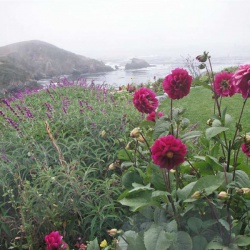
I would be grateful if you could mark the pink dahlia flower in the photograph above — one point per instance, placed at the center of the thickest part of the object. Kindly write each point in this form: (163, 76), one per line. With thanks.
(145, 100)
(151, 116)
(224, 84)
(177, 85)
(54, 241)
(246, 149)
(242, 80)
(168, 152)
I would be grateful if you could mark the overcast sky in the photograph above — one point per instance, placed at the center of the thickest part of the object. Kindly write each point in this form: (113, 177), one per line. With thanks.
(101, 28)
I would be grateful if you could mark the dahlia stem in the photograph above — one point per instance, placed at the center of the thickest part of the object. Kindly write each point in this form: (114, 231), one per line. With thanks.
(171, 116)
(238, 123)
(168, 187)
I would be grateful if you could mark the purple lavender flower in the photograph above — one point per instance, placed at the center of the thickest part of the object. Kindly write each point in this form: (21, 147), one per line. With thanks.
(28, 113)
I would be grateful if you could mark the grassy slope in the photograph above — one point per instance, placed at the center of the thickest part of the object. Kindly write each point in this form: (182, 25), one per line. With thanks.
(199, 107)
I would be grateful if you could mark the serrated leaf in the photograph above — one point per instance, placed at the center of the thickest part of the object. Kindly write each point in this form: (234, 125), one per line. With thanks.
(208, 184)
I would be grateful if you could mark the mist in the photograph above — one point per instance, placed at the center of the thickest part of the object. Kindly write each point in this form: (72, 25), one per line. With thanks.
(116, 28)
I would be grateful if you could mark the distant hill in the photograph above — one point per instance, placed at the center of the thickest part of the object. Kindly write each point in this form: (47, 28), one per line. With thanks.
(34, 60)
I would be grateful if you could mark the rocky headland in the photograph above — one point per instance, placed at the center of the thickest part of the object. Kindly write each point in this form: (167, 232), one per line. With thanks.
(29, 61)
(137, 63)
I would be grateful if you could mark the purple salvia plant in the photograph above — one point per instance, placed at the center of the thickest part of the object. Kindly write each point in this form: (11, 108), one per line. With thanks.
(49, 107)
(48, 115)
(6, 102)
(51, 96)
(28, 113)
(20, 109)
(65, 105)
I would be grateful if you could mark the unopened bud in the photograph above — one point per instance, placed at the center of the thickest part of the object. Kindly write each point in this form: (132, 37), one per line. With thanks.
(245, 190)
(210, 122)
(223, 195)
(202, 58)
(202, 66)
(135, 132)
(112, 232)
(112, 166)
(103, 133)
(247, 138)
(196, 195)
(140, 139)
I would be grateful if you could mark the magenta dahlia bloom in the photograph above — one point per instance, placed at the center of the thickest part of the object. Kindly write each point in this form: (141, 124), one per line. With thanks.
(224, 84)
(246, 148)
(145, 100)
(242, 80)
(151, 116)
(177, 85)
(54, 241)
(168, 152)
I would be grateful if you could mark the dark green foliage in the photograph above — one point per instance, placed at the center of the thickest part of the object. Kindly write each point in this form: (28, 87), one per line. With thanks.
(56, 177)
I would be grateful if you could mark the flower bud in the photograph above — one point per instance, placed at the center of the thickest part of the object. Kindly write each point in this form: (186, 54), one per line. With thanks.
(247, 138)
(210, 122)
(135, 133)
(196, 195)
(103, 134)
(112, 166)
(112, 232)
(223, 195)
(202, 66)
(140, 139)
(245, 190)
(202, 58)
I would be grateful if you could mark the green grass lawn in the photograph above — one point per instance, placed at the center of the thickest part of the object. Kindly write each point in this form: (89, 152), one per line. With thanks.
(199, 107)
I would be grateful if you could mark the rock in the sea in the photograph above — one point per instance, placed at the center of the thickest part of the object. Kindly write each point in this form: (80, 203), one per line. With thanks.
(137, 64)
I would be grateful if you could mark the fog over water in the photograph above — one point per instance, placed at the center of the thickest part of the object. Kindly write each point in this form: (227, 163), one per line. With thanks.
(133, 28)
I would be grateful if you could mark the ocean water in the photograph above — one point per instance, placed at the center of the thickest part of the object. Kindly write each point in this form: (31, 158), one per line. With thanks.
(160, 67)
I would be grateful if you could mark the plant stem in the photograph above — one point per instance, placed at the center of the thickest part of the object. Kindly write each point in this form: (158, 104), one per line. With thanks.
(168, 187)
(238, 123)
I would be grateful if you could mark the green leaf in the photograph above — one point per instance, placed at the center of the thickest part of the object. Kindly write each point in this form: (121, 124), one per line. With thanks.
(94, 245)
(195, 224)
(155, 238)
(124, 155)
(228, 120)
(138, 200)
(214, 245)
(213, 131)
(129, 178)
(140, 187)
(190, 135)
(161, 127)
(185, 192)
(183, 241)
(242, 240)
(224, 224)
(208, 184)
(199, 242)
(242, 178)
(134, 241)
(185, 123)
(216, 123)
